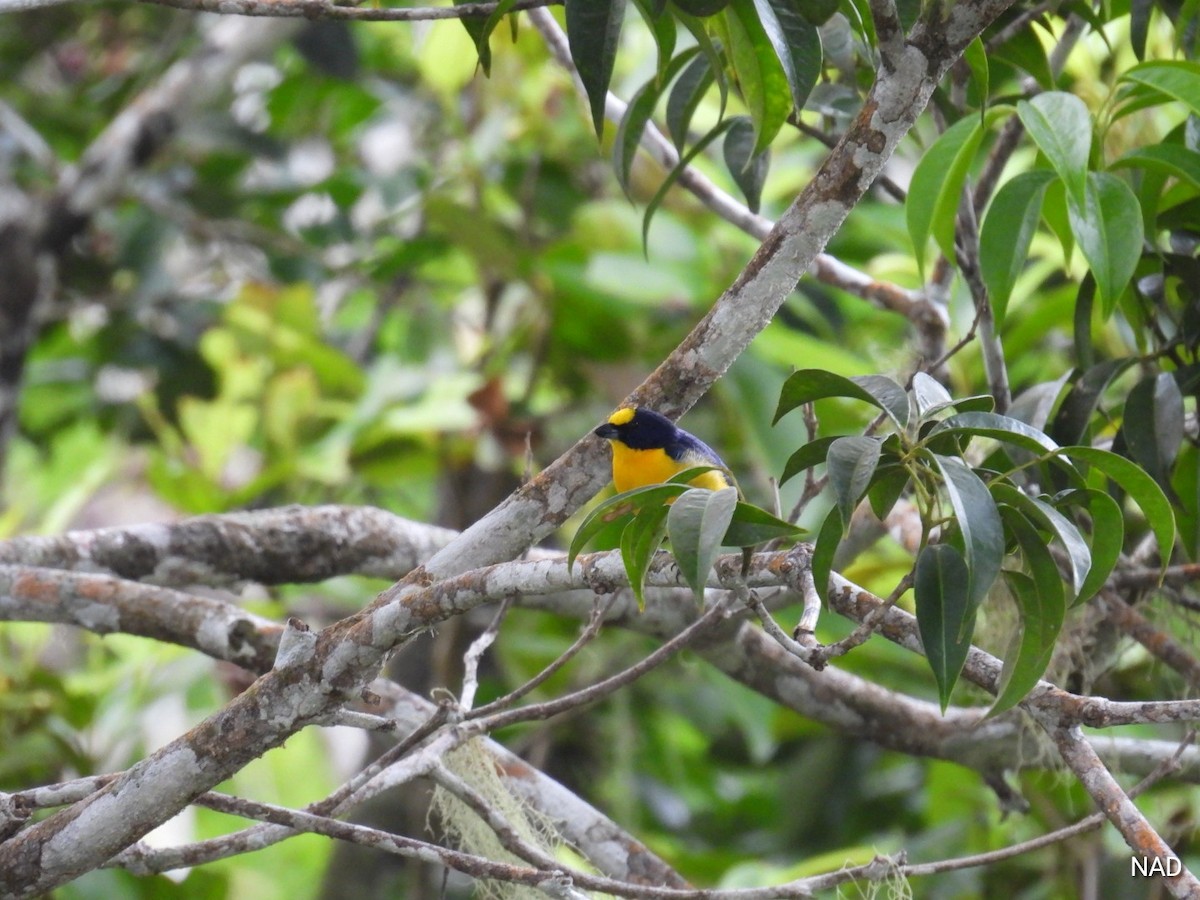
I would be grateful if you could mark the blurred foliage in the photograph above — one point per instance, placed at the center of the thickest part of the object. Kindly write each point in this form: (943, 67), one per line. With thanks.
(372, 272)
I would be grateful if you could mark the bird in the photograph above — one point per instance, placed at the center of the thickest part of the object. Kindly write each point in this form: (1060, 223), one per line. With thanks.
(648, 448)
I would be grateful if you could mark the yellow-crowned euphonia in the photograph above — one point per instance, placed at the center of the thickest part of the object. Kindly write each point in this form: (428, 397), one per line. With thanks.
(648, 448)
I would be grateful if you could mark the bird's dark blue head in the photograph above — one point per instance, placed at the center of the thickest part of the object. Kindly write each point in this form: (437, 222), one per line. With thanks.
(639, 429)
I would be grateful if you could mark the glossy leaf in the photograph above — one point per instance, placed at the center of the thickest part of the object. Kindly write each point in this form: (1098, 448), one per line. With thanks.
(1108, 537)
(976, 516)
(1007, 233)
(1176, 79)
(759, 72)
(749, 169)
(627, 503)
(1078, 555)
(799, 49)
(1061, 126)
(1153, 426)
(811, 454)
(850, 465)
(1137, 484)
(887, 488)
(752, 525)
(825, 548)
(808, 385)
(929, 393)
(936, 187)
(1033, 642)
(1108, 228)
(696, 525)
(689, 90)
(640, 540)
(1078, 406)
(1172, 160)
(998, 427)
(637, 114)
(945, 619)
(593, 33)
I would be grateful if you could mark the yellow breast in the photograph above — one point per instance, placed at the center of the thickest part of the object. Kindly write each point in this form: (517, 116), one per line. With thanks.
(637, 468)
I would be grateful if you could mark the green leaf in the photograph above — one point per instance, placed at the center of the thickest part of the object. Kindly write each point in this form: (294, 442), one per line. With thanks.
(1025, 51)
(640, 540)
(1007, 233)
(929, 394)
(1033, 643)
(1153, 425)
(593, 33)
(478, 32)
(1108, 228)
(1001, 428)
(686, 95)
(816, 12)
(1061, 126)
(1079, 557)
(799, 49)
(808, 385)
(701, 8)
(752, 526)
(976, 59)
(1140, 486)
(1176, 79)
(663, 28)
(944, 617)
(811, 454)
(976, 516)
(696, 524)
(1054, 211)
(887, 488)
(825, 548)
(936, 187)
(1070, 424)
(1173, 160)
(1108, 537)
(749, 169)
(627, 503)
(673, 176)
(851, 465)
(759, 72)
(637, 114)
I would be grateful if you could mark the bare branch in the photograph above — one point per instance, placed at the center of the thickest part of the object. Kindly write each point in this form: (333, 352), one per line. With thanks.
(327, 9)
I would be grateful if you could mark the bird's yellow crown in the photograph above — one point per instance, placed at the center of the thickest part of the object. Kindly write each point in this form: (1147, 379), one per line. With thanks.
(621, 416)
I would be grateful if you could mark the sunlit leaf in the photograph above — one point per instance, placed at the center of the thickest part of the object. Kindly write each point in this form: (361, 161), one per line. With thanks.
(1007, 233)
(1107, 224)
(1061, 126)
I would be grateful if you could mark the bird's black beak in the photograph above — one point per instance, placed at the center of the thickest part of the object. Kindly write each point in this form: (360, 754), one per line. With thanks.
(606, 431)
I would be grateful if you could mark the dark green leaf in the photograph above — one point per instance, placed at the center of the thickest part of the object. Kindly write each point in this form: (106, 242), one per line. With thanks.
(1070, 424)
(593, 33)
(696, 524)
(627, 503)
(752, 526)
(976, 516)
(1153, 425)
(664, 31)
(823, 551)
(936, 187)
(808, 385)
(1176, 79)
(1140, 486)
(1173, 160)
(685, 96)
(944, 617)
(637, 114)
(998, 427)
(749, 169)
(851, 465)
(1007, 233)
(1079, 557)
(1108, 536)
(1025, 51)
(478, 33)
(1061, 126)
(799, 49)
(887, 488)
(673, 176)
(811, 454)
(758, 69)
(816, 12)
(1108, 228)
(701, 8)
(1033, 643)
(639, 541)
